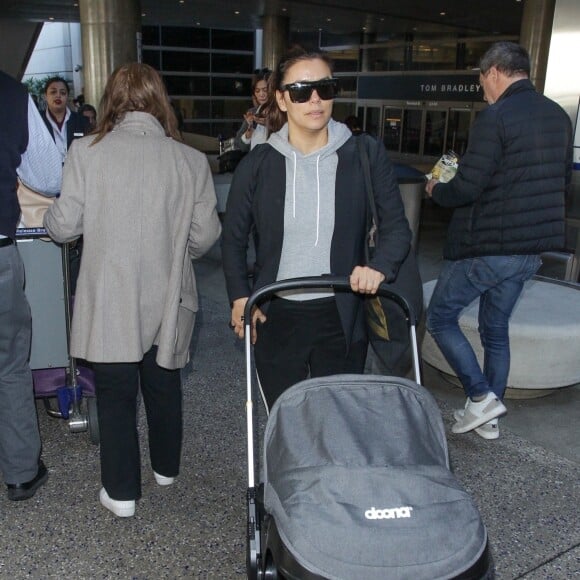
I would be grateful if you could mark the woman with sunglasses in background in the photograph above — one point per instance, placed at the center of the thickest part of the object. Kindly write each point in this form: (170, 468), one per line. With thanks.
(304, 191)
(253, 129)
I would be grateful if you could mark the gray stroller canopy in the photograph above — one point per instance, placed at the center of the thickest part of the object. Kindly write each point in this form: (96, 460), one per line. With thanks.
(357, 480)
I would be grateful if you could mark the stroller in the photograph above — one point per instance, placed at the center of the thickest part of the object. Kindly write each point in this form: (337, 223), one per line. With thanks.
(356, 479)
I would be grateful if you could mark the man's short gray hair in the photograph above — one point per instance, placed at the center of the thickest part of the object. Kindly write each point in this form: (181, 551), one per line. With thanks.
(508, 57)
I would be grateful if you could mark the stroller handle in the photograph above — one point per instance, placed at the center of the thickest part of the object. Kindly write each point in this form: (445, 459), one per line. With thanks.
(326, 281)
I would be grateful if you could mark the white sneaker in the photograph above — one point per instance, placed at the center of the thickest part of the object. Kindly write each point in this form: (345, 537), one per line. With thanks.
(489, 430)
(162, 480)
(122, 509)
(478, 413)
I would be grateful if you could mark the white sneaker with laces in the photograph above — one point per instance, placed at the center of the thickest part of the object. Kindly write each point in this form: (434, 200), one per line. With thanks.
(162, 480)
(122, 509)
(489, 430)
(477, 413)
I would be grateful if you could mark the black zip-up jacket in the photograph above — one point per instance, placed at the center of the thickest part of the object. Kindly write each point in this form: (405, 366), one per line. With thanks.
(77, 126)
(509, 191)
(257, 197)
(13, 143)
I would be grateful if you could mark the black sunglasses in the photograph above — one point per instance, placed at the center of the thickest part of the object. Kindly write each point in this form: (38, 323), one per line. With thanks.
(301, 91)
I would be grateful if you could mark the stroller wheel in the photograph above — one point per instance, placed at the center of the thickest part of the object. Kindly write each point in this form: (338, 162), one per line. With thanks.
(270, 569)
(93, 420)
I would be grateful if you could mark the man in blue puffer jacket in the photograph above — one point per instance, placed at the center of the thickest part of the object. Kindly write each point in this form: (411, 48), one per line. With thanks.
(509, 195)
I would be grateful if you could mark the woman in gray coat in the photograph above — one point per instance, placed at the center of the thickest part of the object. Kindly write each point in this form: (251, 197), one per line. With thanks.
(145, 204)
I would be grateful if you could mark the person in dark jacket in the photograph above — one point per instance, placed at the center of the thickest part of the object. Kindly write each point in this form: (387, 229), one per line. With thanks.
(90, 113)
(20, 445)
(304, 191)
(509, 195)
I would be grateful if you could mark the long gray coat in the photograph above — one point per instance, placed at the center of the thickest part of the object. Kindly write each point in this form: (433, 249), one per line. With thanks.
(146, 206)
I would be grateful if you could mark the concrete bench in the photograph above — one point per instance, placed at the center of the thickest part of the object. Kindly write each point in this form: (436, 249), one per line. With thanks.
(544, 338)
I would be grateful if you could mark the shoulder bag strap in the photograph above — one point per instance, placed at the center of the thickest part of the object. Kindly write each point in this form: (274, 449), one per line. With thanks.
(372, 237)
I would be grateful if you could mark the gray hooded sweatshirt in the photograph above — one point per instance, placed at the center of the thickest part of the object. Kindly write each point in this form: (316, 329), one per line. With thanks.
(309, 207)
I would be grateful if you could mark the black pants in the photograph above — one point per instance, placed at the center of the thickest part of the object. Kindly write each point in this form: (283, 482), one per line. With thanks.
(117, 385)
(302, 339)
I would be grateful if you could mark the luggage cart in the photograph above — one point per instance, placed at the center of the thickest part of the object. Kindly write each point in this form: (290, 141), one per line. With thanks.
(56, 375)
(356, 477)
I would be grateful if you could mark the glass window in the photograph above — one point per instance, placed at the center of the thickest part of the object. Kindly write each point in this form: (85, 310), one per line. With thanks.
(231, 87)
(232, 40)
(372, 120)
(473, 53)
(435, 133)
(411, 140)
(429, 57)
(304, 38)
(187, 85)
(392, 128)
(152, 58)
(225, 128)
(199, 128)
(192, 108)
(458, 131)
(340, 111)
(186, 37)
(185, 61)
(331, 39)
(347, 87)
(385, 59)
(232, 63)
(150, 35)
(345, 60)
(212, 128)
(233, 108)
(226, 109)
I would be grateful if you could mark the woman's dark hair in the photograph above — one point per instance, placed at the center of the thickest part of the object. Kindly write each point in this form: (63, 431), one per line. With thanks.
(87, 107)
(56, 79)
(353, 123)
(275, 118)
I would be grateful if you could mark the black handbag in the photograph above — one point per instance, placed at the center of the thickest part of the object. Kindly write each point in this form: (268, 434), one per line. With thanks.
(229, 160)
(386, 322)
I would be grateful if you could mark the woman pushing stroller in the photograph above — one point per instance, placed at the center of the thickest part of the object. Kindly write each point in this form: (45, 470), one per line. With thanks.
(304, 193)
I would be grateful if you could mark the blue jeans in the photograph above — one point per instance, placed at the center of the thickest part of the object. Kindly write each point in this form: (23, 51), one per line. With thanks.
(497, 281)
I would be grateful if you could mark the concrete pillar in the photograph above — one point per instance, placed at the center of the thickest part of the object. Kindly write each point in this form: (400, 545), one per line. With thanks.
(275, 39)
(535, 36)
(110, 31)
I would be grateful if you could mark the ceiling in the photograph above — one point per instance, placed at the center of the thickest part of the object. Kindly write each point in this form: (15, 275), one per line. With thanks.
(385, 18)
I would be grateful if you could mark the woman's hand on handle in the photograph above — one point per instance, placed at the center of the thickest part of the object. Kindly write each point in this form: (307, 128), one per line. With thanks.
(237, 320)
(366, 280)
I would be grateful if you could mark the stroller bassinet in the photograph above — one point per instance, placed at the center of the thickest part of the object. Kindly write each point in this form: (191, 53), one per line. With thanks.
(357, 484)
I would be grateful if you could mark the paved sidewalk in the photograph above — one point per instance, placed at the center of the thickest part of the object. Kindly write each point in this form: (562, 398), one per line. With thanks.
(527, 483)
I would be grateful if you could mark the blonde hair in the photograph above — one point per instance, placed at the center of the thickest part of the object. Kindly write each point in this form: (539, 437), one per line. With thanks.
(135, 87)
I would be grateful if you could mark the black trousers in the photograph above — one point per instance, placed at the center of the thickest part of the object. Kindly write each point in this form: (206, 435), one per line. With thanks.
(117, 386)
(302, 339)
